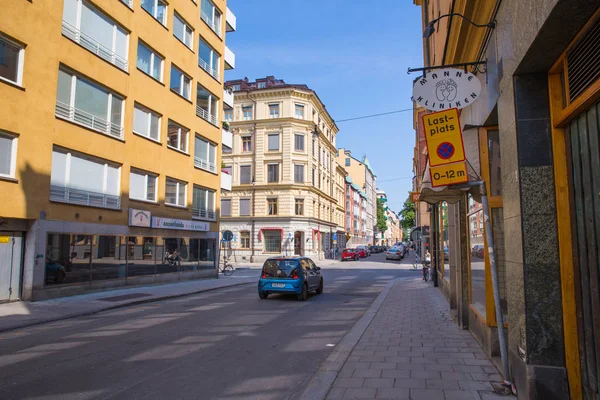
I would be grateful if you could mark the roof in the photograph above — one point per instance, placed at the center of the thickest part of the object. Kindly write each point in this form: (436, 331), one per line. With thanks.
(348, 179)
(365, 161)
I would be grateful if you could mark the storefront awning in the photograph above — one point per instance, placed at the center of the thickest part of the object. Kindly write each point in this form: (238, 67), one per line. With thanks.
(450, 194)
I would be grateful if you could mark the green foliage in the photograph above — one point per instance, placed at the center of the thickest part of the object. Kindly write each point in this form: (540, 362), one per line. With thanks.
(407, 215)
(381, 225)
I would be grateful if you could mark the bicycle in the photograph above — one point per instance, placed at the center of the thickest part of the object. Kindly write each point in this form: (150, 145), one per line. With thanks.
(426, 272)
(227, 269)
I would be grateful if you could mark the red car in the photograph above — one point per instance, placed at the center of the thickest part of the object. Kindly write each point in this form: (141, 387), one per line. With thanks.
(362, 252)
(350, 254)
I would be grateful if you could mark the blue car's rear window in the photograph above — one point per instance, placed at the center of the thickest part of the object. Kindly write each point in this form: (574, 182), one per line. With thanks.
(279, 268)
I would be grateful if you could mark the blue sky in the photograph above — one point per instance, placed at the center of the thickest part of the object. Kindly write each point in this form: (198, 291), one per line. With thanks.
(354, 54)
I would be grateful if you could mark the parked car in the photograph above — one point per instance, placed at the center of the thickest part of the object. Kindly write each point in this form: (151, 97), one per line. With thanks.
(395, 253)
(477, 251)
(376, 249)
(350, 254)
(363, 251)
(290, 275)
(55, 272)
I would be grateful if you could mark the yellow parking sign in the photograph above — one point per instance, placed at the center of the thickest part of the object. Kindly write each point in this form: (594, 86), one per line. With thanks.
(444, 137)
(448, 174)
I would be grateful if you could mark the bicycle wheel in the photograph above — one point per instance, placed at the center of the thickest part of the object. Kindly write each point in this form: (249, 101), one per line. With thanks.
(228, 270)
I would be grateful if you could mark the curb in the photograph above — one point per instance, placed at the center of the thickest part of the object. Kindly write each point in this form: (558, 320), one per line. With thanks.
(322, 381)
(117, 306)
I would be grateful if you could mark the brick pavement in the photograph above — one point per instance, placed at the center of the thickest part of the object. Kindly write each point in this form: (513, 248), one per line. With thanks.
(413, 350)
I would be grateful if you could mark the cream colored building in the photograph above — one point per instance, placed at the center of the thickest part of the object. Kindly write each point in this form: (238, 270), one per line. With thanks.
(284, 169)
(340, 209)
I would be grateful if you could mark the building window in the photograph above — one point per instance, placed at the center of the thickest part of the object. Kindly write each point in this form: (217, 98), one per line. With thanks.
(271, 206)
(228, 115)
(236, 88)
(208, 59)
(95, 31)
(273, 173)
(247, 110)
(88, 104)
(245, 240)
(211, 15)
(244, 207)
(180, 82)
(83, 180)
(203, 204)
(225, 207)
(149, 62)
(299, 207)
(261, 85)
(273, 110)
(175, 192)
(207, 105)
(347, 161)
(156, 8)
(313, 177)
(313, 147)
(142, 185)
(299, 111)
(245, 174)
(299, 142)
(177, 137)
(272, 241)
(183, 31)
(8, 154)
(205, 155)
(299, 173)
(146, 123)
(273, 142)
(246, 144)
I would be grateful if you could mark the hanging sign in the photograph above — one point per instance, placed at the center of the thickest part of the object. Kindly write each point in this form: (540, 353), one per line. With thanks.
(448, 174)
(446, 88)
(443, 137)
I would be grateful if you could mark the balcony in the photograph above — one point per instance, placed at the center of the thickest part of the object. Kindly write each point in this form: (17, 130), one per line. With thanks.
(88, 120)
(227, 138)
(226, 181)
(212, 71)
(230, 21)
(229, 59)
(203, 213)
(228, 97)
(205, 115)
(214, 25)
(94, 46)
(205, 165)
(79, 197)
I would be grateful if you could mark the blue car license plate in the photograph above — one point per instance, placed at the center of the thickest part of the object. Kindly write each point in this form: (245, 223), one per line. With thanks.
(278, 285)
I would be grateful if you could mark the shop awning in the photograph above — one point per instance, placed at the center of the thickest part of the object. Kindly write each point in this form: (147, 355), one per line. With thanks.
(450, 194)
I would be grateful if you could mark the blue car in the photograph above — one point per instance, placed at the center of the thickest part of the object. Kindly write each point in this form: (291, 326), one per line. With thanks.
(290, 275)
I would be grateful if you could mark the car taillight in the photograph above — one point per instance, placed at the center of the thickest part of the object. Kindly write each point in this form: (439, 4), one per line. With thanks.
(398, 253)
(263, 275)
(295, 274)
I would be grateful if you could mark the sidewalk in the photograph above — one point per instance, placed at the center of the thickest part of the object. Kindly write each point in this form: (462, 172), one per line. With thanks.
(22, 314)
(407, 348)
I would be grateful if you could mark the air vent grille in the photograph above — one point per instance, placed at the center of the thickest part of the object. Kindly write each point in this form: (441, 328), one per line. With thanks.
(583, 61)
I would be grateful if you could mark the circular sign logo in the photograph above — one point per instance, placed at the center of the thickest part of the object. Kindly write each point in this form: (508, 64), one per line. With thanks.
(445, 150)
(446, 88)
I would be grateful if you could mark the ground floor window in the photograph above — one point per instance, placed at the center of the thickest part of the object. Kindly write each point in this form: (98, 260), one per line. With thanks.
(245, 240)
(272, 240)
(477, 256)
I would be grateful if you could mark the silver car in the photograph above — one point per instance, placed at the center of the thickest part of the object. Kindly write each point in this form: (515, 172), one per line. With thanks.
(395, 253)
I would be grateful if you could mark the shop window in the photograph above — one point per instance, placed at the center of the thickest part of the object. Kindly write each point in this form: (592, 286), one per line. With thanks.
(494, 163)
(445, 242)
(477, 257)
(272, 240)
(67, 258)
(499, 251)
(108, 258)
(141, 255)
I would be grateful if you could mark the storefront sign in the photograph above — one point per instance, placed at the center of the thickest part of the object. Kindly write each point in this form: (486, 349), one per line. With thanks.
(446, 88)
(140, 218)
(414, 196)
(444, 137)
(180, 224)
(448, 174)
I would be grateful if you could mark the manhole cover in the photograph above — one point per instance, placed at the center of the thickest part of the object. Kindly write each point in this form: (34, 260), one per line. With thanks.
(126, 297)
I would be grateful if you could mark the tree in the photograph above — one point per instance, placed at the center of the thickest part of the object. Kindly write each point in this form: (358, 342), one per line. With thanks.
(381, 225)
(408, 215)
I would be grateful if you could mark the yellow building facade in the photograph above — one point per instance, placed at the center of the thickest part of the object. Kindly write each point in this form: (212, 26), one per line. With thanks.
(111, 113)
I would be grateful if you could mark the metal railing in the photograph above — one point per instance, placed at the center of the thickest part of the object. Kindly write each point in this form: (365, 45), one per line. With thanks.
(69, 195)
(128, 3)
(93, 45)
(203, 213)
(205, 165)
(216, 28)
(81, 117)
(204, 114)
(204, 65)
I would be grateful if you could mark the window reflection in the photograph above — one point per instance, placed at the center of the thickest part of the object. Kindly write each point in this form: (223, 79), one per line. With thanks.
(477, 257)
(67, 258)
(108, 258)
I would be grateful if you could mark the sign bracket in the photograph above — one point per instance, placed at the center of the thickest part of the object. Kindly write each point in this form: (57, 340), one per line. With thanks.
(474, 64)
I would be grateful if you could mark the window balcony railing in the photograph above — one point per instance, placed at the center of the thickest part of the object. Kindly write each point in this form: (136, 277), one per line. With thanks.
(80, 197)
(81, 117)
(212, 71)
(205, 165)
(204, 213)
(93, 45)
(210, 22)
(128, 3)
(204, 114)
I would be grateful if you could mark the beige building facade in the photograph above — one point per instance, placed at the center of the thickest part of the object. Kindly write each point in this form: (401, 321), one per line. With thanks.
(284, 172)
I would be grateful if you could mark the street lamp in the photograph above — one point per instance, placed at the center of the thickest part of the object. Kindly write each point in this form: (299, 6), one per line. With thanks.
(431, 28)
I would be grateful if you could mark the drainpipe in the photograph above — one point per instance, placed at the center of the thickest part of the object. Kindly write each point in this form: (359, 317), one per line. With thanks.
(253, 180)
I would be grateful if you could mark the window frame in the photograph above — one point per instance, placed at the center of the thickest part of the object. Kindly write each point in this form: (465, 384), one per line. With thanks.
(155, 14)
(12, 167)
(249, 166)
(209, 67)
(247, 115)
(273, 107)
(272, 206)
(269, 149)
(228, 115)
(153, 56)
(277, 177)
(186, 26)
(225, 200)
(182, 81)
(249, 138)
(347, 162)
(299, 205)
(137, 171)
(298, 106)
(295, 172)
(249, 207)
(296, 136)
(244, 236)
(150, 113)
(261, 85)
(210, 146)
(178, 183)
(208, 192)
(181, 128)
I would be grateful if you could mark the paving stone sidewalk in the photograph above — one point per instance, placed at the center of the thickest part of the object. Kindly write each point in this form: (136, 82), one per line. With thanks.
(413, 350)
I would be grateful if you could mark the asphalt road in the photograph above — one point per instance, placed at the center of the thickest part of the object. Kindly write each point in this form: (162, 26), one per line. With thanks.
(225, 344)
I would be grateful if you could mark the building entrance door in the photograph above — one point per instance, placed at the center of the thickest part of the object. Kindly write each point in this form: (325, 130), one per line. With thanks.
(11, 256)
(298, 243)
(584, 135)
